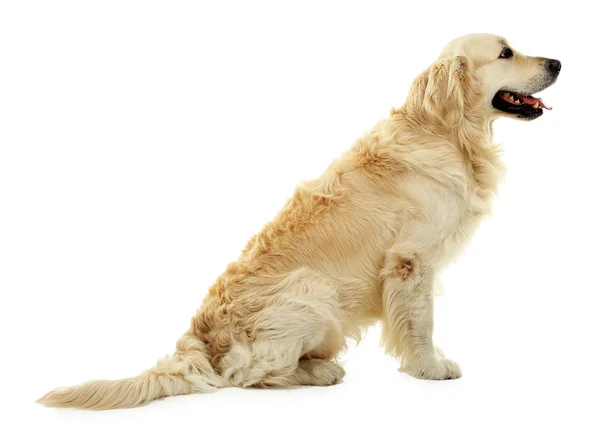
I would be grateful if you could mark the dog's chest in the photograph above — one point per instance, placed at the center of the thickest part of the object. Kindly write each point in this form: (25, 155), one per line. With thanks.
(475, 207)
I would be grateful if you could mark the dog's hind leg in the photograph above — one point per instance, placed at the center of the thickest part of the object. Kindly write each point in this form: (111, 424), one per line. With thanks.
(309, 372)
(302, 319)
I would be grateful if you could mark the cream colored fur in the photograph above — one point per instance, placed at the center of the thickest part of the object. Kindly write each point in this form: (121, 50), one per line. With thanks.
(365, 242)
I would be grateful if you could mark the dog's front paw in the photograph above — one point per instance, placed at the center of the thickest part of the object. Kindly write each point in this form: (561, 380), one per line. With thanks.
(434, 367)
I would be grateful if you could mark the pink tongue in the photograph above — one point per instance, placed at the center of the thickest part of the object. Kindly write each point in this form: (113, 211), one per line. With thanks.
(531, 101)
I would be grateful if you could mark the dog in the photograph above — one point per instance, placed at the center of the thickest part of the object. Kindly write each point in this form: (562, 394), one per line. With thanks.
(364, 242)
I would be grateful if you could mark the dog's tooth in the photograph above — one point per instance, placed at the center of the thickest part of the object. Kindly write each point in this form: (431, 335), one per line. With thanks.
(511, 98)
(536, 105)
(506, 94)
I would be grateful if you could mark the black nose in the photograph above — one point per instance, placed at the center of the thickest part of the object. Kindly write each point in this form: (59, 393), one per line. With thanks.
(553, 65)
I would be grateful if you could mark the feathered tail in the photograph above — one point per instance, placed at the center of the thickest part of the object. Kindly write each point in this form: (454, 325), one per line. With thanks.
(185, 372)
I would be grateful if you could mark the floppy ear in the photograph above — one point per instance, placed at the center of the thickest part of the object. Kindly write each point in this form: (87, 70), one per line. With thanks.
(444, 89)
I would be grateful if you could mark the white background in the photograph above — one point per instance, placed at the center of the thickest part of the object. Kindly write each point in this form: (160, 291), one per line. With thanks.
(143, 143)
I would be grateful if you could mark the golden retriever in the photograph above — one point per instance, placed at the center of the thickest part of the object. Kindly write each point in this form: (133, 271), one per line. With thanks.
(362, 243)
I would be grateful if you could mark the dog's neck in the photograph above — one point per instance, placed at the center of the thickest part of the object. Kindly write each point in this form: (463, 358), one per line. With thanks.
(472, 136)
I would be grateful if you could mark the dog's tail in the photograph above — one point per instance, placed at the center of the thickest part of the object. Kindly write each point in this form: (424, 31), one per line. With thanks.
(186, 372)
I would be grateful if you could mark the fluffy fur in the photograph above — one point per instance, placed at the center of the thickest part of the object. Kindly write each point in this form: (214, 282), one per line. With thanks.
(362, 243)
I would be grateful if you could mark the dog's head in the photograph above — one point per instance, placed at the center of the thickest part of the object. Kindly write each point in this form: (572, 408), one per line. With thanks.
(483, 74)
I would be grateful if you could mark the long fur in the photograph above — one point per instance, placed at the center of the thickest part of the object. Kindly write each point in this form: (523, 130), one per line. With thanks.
(186, 372)
(362, 243)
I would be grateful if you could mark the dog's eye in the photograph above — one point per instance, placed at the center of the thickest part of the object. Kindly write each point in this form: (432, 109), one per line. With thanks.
(506, 53)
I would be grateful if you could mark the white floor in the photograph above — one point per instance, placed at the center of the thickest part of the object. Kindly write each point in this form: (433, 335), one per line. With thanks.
(500, 391)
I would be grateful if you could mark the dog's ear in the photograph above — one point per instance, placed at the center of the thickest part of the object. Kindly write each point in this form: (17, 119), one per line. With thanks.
(443, 90)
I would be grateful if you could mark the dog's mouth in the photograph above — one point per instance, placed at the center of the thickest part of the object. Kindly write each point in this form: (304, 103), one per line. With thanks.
(522, 106)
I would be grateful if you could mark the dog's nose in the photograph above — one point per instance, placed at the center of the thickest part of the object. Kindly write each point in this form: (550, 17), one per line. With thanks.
(554, 66)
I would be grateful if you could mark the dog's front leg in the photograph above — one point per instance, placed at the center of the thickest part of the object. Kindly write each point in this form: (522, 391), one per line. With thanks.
(408, 316)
